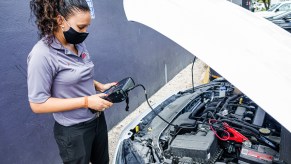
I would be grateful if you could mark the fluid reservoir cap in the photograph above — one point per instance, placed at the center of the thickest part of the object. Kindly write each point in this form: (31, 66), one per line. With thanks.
(241, 100)
(265, 131)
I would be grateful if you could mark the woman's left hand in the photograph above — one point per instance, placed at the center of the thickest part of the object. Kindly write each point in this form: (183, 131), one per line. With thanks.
(103, 87)
(107, 86)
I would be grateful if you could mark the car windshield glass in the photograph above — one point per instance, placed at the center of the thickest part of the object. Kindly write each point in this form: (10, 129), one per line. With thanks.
(281, 15)
(273, 7)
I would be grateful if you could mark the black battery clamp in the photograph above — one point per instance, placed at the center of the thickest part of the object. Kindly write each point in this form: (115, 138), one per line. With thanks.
(119, 92)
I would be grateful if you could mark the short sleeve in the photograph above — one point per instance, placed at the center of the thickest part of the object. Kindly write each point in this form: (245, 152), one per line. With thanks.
(39, 76)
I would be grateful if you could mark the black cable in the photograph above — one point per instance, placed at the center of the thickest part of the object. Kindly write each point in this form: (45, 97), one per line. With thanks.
(235, 119)
(192, 70)
(227, 101)
(146, 96)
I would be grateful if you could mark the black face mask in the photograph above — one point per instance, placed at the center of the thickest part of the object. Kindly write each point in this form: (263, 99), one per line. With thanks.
(74, 37)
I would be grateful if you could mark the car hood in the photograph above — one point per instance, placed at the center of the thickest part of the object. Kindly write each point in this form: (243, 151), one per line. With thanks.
(250, 52)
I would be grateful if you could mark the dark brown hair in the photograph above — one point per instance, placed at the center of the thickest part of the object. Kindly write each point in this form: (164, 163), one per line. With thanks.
(46, 12)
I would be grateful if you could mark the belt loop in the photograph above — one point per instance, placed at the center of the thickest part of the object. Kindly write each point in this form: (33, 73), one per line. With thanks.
(98, 114)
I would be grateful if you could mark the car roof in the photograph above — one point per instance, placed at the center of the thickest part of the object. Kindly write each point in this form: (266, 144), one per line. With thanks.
(281, 3)
(285, 2)
(251, 52)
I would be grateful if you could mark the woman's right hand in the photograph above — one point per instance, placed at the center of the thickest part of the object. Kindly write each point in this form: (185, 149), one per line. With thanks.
(97, 103)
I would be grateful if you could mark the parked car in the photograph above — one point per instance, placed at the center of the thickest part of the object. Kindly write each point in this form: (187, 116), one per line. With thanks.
(215, 122)
(275, 9)
(283, 20)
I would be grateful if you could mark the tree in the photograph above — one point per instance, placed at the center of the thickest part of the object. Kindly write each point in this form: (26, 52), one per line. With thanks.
(267, 3)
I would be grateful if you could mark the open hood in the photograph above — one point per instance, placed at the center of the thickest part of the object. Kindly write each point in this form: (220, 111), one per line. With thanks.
(250, 52)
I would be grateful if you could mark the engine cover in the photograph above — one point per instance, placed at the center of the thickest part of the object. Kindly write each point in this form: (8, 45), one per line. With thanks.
(200, 147)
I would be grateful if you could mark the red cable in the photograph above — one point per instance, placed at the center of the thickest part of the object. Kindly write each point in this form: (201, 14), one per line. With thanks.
(214, 131)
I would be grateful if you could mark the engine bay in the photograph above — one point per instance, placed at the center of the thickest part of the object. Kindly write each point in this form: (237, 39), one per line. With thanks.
(214, 124)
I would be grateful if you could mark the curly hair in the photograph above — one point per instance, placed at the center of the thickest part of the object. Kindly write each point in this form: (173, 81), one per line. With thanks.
(46, 12)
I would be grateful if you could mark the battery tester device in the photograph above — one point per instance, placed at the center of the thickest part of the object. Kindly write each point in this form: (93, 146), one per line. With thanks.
(119, 92)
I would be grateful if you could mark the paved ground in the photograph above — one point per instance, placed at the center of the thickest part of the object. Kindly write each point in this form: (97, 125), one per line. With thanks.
(181, 81)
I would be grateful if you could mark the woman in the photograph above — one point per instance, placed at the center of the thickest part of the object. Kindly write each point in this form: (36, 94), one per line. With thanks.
(60, 81)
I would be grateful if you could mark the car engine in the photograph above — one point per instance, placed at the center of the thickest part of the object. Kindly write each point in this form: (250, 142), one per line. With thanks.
(214, 124)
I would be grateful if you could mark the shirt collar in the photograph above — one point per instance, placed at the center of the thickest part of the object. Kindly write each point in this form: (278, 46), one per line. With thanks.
(57, 45)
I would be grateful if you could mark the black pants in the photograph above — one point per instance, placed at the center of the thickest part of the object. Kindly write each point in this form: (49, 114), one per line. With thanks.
(84, 142)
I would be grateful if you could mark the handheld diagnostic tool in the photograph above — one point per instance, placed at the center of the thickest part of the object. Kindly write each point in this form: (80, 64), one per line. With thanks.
(119, 92)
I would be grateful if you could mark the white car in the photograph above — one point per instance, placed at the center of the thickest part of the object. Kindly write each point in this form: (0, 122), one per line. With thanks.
(275, 9)
(213, 123)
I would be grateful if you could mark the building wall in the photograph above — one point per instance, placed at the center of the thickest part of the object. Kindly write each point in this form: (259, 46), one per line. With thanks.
(243, 3)
(118, 48)
(238, 2)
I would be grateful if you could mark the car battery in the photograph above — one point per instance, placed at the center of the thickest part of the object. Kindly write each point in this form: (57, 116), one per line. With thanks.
(257, 154)
(201, 147)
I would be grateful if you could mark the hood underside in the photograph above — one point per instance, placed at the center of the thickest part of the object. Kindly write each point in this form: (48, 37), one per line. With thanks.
(250, 52)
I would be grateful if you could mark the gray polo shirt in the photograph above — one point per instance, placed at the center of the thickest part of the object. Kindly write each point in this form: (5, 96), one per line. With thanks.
(54, 71)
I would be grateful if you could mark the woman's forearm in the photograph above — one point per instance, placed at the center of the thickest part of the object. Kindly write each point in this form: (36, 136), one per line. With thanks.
(58, 105)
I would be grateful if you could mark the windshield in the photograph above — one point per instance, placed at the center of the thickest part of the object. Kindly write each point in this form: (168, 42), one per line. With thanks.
(272, 8)
(281, 15)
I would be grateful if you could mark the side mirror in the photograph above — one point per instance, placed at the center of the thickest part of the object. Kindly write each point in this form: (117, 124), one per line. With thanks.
(276, 10)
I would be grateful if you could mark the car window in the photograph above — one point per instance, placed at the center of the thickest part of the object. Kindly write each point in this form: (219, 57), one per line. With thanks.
(285, 7)
(284, 14)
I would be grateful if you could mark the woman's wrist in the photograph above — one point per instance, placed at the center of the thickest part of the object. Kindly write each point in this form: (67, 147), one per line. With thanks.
(86, 105)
